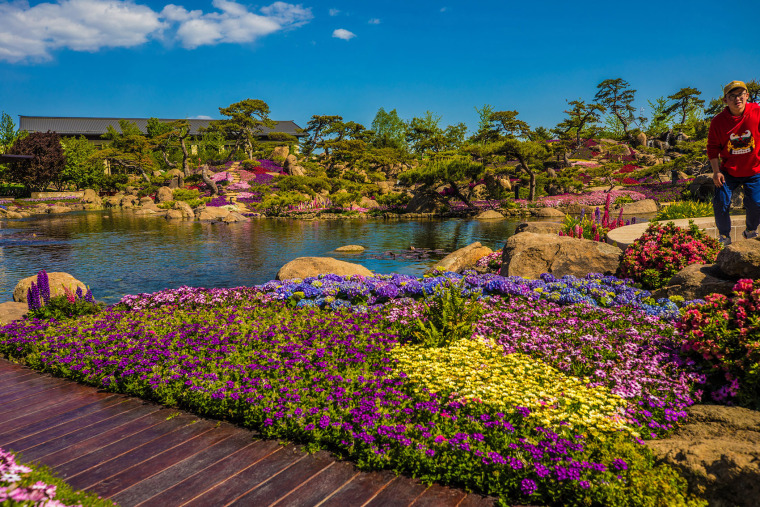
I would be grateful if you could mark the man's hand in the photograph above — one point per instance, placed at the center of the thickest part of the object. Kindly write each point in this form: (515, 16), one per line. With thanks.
(718, 179)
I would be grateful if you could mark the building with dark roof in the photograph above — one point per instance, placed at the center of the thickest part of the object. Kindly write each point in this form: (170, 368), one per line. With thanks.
(94, 128)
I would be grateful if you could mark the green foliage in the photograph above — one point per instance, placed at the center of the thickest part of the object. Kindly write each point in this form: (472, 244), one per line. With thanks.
(8, 132)
(185, 194)
(448, 316)
(63, 308)
(581, 119)
(424, 134)
(392, 199)
(723, 337)
(46, 164)
(389, 129)
(305, 184)
(617, 97)
(662, 120)
(685, 101)
(244, 123)
(664, 250)
(82, 169)
(280, 201)
(684, 209)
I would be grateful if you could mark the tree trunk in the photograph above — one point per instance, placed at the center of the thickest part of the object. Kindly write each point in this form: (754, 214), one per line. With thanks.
(166, 159)
(532, 174)
(208, 181)
(459, 194)
(185, 158)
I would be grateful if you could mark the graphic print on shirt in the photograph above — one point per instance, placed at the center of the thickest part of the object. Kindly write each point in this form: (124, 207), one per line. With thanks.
(741, 144)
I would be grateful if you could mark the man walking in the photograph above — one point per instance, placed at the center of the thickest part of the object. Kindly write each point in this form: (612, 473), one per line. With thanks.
(733, 147)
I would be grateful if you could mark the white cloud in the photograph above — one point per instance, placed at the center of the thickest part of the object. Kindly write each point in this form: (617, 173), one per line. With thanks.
(444, 9)
(374, 21)
(341, 33)
(33, 33)
(334, 12)
(199, 117)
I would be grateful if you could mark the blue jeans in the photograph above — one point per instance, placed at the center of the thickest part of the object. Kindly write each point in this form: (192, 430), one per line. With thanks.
(722, 202)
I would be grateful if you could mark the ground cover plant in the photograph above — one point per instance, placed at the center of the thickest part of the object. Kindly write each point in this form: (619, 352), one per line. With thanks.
(722, 336)
(664, 250)
(340, 363)
(684, 209)
(35, 486)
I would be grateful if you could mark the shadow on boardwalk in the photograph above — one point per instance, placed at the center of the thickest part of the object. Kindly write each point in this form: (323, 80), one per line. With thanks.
(138, 453)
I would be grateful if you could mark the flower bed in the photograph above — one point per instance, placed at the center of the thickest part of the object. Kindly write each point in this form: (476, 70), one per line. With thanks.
(556, 428)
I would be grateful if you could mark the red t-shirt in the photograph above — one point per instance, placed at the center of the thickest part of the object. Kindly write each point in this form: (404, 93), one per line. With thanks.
(736, 139)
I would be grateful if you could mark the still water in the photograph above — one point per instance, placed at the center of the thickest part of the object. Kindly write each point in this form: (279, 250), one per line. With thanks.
(118, 253)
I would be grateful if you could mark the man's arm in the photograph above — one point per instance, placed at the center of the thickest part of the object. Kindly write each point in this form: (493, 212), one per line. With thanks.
(717, 176)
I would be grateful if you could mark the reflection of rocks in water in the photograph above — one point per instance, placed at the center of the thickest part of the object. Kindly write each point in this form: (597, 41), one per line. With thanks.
(413, 254)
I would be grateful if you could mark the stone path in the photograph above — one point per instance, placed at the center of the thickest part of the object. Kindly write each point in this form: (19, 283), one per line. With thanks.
(139, 453)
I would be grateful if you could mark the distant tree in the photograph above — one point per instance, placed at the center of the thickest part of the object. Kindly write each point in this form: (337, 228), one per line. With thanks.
(540, 134)
(485, 133)
(244, 123)
(46, 165)
(425, 135)
(8, 132)
(617, 96)
(581, 117)
(714, 107)
(455, 172)
(662, 120)
(167, 137)
(129, 149)
(389, 129)
(684, 101)
(318, 129)
(753, 88)
(506, 125)
(82, 169)
(531, 156)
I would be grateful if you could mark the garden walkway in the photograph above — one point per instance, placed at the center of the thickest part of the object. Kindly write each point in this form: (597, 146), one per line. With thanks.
(626, 235)
(138, 453)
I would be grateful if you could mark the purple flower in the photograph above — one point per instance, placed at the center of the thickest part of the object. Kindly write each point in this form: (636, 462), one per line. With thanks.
(528, 487)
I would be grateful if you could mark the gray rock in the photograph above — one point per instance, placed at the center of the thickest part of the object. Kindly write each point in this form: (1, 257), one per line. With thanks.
(741, 259)
(553, 228)
(56, 209)
(11, 310)
(174, 214)
(695, 282)
(212, 214)
(350, 248)
(717, 451)
(548, 212)
(461, 259)
(490, 215)
(91, 197)
(528, 255)
(165, 194)
(233, 217)
(184, 208)
(303, 267)
(57, 281)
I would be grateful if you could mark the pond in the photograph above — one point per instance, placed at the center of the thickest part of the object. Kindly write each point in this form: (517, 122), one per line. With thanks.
(118, 253)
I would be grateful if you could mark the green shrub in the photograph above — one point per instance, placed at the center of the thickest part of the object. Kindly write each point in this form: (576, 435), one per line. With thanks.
(447, 317)
(664, 250)
(184, 194)
(685, 209)
(723, 337)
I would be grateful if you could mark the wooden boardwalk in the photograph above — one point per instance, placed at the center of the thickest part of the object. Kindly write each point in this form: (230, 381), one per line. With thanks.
(138, 453)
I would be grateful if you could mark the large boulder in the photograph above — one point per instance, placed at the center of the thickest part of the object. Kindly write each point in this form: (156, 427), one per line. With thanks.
(461, 259)
(212, 214)
(57, 281)
(233, 217)
(303, 267)
(423, 202)
(174, 178)
(366, 202)
(280, 153)
(129, 201)
(553, 228)
(741, 259)
(548, 212)
(57, 208)
(642, 207)
(173, 214)
(702, 187)
(490, 214)
(350, 248)
(717, 451)
(11, 310)
(184, 208)
(165, 194)
(695, 282)
(91, 197)
(528, 255)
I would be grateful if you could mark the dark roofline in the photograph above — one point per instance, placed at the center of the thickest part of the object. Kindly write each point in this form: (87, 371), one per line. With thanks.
(91, 126)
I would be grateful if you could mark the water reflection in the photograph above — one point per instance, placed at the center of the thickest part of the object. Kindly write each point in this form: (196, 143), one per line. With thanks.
(119, 253)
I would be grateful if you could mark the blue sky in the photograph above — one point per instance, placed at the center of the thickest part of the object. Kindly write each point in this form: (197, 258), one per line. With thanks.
(186, 59)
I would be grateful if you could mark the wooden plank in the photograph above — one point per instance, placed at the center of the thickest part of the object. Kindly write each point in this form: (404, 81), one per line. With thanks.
(139, 454)
(39, 419)
(282, 484)
(64, 423)
(243, 482)
(400, 493)
(171, 476)
(12, 391)
(43, 409)
(159, 463)
(475, 500)
(89, 440)
(437, 495)
(360, 489)
(197, 485)
(153, 427)
(321, 486)
(40, 401)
